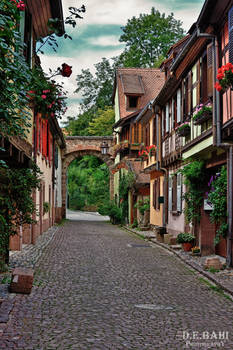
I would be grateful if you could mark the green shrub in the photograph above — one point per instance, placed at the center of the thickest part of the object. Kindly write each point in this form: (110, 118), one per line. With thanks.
(112, 210)
(184, 238)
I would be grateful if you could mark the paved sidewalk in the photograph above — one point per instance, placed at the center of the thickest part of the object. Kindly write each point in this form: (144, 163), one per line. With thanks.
(223, 278)
(98, 287)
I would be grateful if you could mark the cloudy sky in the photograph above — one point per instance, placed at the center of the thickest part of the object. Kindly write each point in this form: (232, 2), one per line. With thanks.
(97, 35)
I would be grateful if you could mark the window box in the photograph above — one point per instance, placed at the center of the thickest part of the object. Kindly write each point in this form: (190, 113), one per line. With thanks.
(202, 118)
(202, 114)
(183, 130)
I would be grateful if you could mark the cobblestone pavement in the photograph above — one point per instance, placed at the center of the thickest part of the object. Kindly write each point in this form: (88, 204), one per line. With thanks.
(98, 287)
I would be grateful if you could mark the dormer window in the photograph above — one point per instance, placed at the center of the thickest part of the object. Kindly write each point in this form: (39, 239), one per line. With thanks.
(132, 88)
(132, 102)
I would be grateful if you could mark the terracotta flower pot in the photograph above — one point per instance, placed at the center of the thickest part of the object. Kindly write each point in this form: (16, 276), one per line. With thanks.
(187, 246)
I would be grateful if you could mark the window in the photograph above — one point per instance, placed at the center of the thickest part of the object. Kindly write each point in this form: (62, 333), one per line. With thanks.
(230, 29)
(56, 157)
(203, 83)
(178, 103)
(167, 117)
(175, 193)
(26, 35)
(133, 101)
(156, 194)
(136, 133)
(154, 140)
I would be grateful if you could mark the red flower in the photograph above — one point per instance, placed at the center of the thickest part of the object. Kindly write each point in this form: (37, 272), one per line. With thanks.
(229, 66)
(220, 76)
(218, 86)
(43, 96)
(21, 6)
(66, 70)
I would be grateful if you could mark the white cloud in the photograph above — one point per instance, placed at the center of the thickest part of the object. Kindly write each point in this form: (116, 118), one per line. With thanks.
(118, 12)
(102, 13)
(108, 40)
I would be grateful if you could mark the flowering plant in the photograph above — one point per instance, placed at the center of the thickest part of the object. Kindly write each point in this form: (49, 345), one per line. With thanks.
(195, 249)
(183, 129)
(225, 77)
(19, 4)
(143, 154)
(151, 149)
(202, 112)
(48, 96)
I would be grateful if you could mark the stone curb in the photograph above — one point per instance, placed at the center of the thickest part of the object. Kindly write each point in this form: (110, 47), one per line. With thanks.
(191, 264)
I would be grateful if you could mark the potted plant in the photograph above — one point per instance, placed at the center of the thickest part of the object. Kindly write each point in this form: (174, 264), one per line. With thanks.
(202, 113)
(144, 209)
(151, 150)
(143, 154)
(225, 77)
(196, 251)
(183, 129)
(186, 239)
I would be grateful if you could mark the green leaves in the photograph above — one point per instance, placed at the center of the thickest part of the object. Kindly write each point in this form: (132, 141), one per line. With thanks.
(218, 198)
(88, 182)
(149, 37)
(16, 203)
(14, 73)
(194, 178)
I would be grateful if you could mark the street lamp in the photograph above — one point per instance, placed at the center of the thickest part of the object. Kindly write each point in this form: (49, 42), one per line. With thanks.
(104, 147)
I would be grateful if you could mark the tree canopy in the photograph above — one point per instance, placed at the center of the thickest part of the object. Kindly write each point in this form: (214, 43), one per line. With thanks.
(148, 38)
(88, 183)
(96, 89)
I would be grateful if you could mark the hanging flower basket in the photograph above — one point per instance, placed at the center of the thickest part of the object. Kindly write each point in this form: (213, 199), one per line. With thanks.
(225, 77)
(183, 129)
(202, 114)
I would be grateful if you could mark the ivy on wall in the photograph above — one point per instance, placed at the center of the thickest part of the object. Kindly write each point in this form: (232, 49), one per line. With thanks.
(16, 202)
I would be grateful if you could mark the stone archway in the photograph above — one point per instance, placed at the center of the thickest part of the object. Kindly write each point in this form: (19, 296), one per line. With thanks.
(79, 146)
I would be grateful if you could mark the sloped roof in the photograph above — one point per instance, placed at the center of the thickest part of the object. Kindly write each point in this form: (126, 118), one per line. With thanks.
(132, 84)
(152, 80)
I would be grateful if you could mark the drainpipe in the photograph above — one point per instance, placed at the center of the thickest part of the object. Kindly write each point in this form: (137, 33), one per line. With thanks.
(217, 141)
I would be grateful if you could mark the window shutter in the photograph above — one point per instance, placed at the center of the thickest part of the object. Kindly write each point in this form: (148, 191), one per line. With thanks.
(230, 28)
(37, 133)
(170, 193)
(44, 138)
(209, 70)
(56, 157)
(198, 82)
(154, 194)
(179, 192)
(173, 110)
(178, 96)
(154, 131)
(158, 194)
(163, 122)
(174, 193)
(167, 117)
(189, 93)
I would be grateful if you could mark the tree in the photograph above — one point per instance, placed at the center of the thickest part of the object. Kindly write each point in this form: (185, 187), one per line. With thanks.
(102, 124)
(148, 38)
(88, 183)
(96, 89)
(79, 126)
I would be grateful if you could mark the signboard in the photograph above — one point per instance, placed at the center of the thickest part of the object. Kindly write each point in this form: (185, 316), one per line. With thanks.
(208, 205)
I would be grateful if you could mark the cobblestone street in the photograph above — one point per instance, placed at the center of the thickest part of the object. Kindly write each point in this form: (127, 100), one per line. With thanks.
(97, 287)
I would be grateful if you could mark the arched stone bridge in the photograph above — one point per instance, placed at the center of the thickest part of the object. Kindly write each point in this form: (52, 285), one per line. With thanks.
(78, 146)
